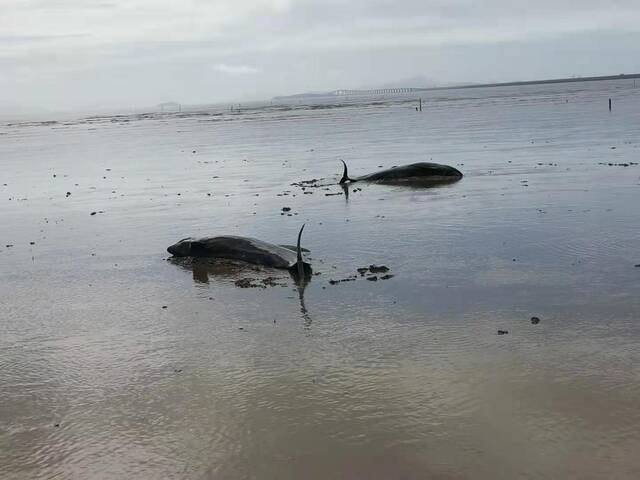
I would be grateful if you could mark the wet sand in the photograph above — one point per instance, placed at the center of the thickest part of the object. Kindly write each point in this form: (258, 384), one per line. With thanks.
(398, 378)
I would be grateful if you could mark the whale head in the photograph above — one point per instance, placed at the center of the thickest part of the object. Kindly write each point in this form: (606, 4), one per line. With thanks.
(181, 248)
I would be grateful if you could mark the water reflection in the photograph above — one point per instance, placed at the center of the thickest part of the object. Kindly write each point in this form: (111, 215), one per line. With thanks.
(229, 271)
(301, 284)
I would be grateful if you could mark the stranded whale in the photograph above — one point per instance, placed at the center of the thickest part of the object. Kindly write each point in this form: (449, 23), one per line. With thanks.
(423, 172)
(245, 249)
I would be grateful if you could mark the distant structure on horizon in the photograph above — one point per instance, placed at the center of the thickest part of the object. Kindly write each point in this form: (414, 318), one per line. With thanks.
(409, 90)
(170, 107)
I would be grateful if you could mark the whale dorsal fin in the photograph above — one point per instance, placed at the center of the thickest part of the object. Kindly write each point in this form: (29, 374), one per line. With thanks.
(345, 175)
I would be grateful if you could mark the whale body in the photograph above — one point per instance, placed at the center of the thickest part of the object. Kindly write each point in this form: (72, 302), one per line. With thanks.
(424, 172)
(244, 249)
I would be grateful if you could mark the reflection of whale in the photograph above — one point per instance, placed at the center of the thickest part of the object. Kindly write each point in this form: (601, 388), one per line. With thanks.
(203, 269)
(245, 249)
(301, 285)
(414, 174)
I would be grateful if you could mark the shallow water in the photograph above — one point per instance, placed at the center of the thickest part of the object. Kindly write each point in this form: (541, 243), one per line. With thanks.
(401, 378)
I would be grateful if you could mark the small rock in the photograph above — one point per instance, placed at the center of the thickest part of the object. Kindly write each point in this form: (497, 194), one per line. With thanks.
(378, 269)
(32, 243)
(286, 209)
(164, 306)
(93, 213)
(56, 425)
(363, 270)
(68, 194)
(387, 277)
(503, 332)
(373, 278)
(535, 320)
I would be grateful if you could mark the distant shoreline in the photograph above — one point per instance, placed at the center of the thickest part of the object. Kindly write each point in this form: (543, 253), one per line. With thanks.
(336, 93)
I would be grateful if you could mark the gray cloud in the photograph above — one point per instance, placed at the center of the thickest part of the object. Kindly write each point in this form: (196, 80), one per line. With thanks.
(77, 53)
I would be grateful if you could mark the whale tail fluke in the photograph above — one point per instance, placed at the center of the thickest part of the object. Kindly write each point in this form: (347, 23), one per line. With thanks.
(345, 175)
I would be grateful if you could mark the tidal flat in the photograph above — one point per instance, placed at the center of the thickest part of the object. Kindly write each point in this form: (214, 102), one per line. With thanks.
(118, 362)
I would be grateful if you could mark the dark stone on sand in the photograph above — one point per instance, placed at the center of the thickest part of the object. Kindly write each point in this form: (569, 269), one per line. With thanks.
(68, 194)
(363, 270)
(378, 269)
(32, 243)
(9, 245)
(93, 213)
(535, 320)
(503, 332)
(286, 209)
(637, 266)
(387, 277)
(335, 282)
(373, 278)
(164, 306)
(56, 425)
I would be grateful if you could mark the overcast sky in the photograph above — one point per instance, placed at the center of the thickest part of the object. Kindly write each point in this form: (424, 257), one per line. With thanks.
(84, 54)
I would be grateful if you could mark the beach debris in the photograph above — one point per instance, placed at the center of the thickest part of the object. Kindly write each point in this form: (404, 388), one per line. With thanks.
(535, 320)
(164, 307)
(249, 282)
(368, 272)
(93, 213)
(348, 279)
(627, 164)
(286, 209)
(503, 332)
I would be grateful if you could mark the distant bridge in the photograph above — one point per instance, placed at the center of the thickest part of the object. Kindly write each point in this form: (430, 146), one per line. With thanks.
(377, 91)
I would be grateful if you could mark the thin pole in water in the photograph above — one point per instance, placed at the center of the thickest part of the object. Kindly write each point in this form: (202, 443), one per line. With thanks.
(609, 104)
(420, 104)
